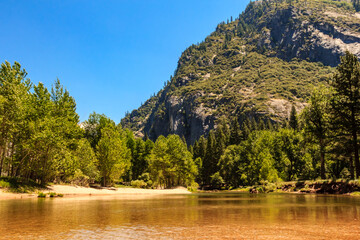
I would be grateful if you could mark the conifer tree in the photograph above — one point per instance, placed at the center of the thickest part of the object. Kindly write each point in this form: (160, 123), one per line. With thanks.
(235, 134)
(245, 129)
(293, 121)
(220, 143)
(345, 103)
(209, 161)
(269, 125)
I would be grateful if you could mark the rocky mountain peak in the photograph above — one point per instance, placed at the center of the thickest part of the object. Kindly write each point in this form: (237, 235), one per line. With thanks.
(259, 65)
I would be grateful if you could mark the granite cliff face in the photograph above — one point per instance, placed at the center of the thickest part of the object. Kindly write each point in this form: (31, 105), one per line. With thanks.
(259, 65)
(308, 34)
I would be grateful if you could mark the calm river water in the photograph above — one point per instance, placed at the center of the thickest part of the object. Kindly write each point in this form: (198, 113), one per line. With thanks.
(197, 216)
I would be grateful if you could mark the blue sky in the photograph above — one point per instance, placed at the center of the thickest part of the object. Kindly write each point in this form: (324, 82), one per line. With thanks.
(110, 55)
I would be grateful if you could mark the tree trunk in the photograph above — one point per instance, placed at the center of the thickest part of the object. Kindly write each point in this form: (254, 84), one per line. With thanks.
(351, 166)
(356, 154)
(291, 171)
(2, 156)
(322, 160)
(1, 159)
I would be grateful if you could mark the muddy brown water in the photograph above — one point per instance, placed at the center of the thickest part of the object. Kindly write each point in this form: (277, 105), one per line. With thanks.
(195, 216)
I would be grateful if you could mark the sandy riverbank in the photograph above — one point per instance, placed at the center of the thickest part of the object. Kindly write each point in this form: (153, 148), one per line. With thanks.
(77, 191)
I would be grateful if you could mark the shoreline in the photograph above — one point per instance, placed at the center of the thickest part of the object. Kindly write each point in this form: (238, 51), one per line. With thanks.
(320, 187)
(70, 191)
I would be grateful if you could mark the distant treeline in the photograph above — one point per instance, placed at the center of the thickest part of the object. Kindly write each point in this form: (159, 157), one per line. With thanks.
(41, 140)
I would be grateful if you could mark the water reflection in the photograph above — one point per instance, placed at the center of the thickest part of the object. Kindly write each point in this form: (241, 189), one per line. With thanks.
(192, 216)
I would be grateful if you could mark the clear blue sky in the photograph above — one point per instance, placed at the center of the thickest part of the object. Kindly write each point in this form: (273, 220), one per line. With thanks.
(110, 55)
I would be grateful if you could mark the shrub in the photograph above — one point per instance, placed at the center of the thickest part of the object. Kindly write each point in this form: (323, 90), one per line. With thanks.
(52, 194)
(4, 184)
(217, 181)
(345, 173)
(80, 178)
(193, 187)
(41, 195)
(138, 184)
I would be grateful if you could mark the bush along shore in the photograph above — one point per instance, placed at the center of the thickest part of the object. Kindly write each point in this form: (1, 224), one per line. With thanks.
(340, 186)
(330, 186)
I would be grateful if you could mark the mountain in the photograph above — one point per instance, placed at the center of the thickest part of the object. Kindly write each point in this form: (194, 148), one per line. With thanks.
(257, 65)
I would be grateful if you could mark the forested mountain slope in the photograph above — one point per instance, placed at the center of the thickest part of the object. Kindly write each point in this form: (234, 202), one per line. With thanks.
(257, 65)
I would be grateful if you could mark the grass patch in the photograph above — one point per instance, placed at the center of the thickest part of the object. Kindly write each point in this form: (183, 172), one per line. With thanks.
(242, 189)
(123, 186)
(19, 185)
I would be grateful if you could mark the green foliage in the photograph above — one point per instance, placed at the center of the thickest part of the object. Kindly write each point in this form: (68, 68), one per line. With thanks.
(39, 130)
(171, 164)
(193, 187)
(4, 184)
(345, 103)
(210, 161)
(19, 185)
(144, 181)
(140, 152)
(85, 163)
(316, 119)
(93, 127)
(216, 181)
(345, 173)
(52, 194)
(138, 184)
(113, 155)
(293, 121)
(235, 134)
(266, 156)
(41, 195)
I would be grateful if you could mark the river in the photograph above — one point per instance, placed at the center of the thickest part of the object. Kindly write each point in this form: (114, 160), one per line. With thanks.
(194, 216)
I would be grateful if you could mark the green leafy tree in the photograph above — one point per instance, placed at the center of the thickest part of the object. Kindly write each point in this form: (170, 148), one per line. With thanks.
(293, 161)
(229, 165)
(44, 143)
(65, 127)
(113, 155)
(171, 164)
(14, 103)
(86, 170)
(93, 127)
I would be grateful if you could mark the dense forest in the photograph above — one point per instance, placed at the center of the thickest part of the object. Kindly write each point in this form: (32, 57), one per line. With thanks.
(42, 140)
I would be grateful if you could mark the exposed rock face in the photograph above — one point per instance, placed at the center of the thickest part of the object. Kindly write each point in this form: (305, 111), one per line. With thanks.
(180, 117)
(256, 66)
(315, 40)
